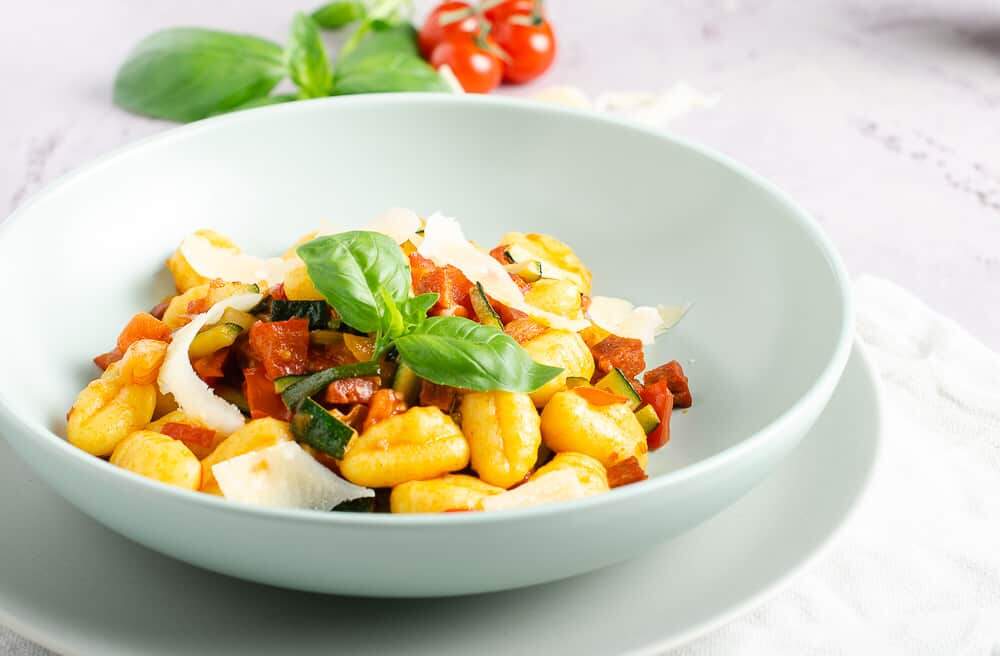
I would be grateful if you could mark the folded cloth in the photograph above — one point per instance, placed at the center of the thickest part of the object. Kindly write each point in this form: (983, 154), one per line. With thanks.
(917, 571)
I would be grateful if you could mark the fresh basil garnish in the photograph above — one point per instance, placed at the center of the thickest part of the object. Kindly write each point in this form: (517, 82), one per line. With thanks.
(365, 277)
(335, 15)
(462, 353)
(308, 63)
(350, 268)
(386, 72)
(185, 74)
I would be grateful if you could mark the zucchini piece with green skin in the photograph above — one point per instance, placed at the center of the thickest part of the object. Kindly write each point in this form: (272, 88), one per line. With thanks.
(617, 382)
(481, 306)
(317, 312)
(234, 396)
(530, 271)
(326, 337)
(406, 384)
(313, 425)
(213, 339)
(237, 317)
(315, 383)
(362, 505)
(283, 383)
(647, 418)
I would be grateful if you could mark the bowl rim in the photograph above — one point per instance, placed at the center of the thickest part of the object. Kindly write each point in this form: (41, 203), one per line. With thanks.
(818, 392)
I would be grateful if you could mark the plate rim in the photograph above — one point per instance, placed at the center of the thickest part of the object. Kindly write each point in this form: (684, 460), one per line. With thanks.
(31, 632)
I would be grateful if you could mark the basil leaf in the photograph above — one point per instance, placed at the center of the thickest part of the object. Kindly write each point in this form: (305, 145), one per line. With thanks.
(415, 309)
(334, 15)
(462, 353)
(350, 268)
(308, 63)
(185, 74)
(388, 72)
(263, 102)
(376, 38)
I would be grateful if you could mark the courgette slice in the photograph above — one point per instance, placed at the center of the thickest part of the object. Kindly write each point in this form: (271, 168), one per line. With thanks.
(317, 312)
(213, 339)
(362, 505)
(313, 425)
(647, 418)
(234, 396)
(326, 337)
(283, 383)
(484, 311)
(301, 390)
(406, 384)
(520, 255)
(617, 382)
(576, 381)
(237, 317)
(529, 271)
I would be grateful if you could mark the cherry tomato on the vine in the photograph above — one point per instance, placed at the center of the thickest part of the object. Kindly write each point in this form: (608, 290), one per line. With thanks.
(508, 7)
(473, 60)
(433, 32)
(529, 41)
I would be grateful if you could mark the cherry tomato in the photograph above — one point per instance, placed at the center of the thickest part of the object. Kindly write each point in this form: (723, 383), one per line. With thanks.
(433, 33)
(530, 43)
(473, 61)
(504, 9)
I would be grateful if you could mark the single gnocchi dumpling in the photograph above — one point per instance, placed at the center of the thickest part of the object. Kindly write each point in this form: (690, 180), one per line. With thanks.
(420, 444)
(589, 471)
(200, 299)
(549, 250)
(253, 436)
(503, 430)
(159, 457)
(118, 403)
(560, 297)
(610, 433)
(299, 286)
(559, 348)
(448, 493)
(185, 277)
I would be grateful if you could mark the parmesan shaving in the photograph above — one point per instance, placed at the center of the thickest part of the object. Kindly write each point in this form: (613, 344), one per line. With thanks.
(210, 261)
(178, 377)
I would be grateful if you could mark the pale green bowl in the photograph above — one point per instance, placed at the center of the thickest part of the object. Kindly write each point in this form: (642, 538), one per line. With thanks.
(658, 220)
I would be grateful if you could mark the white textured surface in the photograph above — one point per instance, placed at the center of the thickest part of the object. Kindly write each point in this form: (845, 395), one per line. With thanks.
(880, 117)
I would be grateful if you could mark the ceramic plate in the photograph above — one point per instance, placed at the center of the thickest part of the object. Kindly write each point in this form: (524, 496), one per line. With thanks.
(69, 583)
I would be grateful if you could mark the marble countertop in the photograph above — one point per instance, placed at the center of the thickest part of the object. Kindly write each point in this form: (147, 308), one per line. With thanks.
(878, 116)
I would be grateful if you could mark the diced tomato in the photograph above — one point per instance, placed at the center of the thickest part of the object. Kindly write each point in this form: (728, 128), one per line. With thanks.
(384, 404)
(352, 390)
(419, 267)
(211, 366)
(451, 285)
(524, 329)
(624, 353)
(324, 356)
(658, 396)
(625, 472)
(197, 306)
(596, 396)
(439, 396)
(161, 308)
(673, 373)
(142, 326)
(261, 397)
(192, 435)
(500, 254)
(282, 346)
(278, 292)
(105, 360)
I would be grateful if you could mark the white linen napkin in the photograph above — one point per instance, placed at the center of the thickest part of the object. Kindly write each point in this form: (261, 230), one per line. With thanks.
(917, 571)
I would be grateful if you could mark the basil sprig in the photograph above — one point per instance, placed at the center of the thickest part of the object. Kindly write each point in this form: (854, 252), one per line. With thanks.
(185, 74)
(365, 277)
